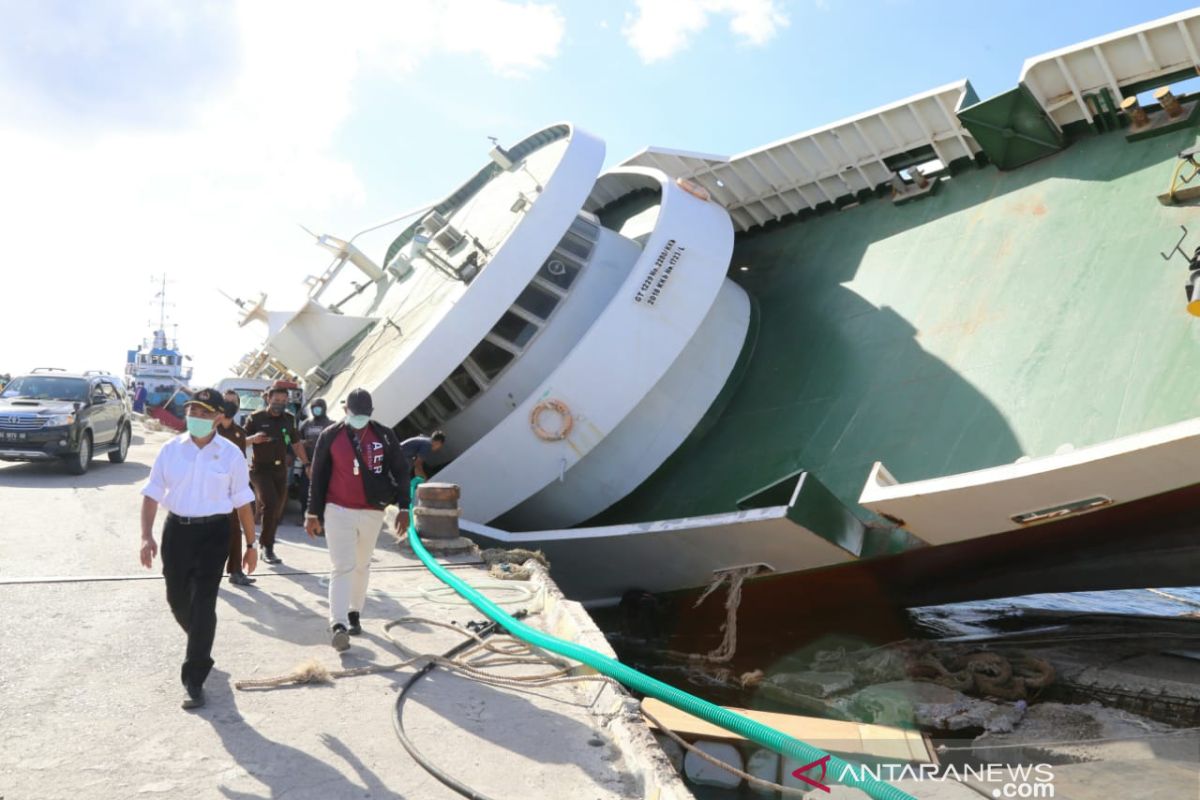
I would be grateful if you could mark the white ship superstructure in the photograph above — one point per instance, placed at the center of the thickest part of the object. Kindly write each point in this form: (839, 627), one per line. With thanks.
(565, 351)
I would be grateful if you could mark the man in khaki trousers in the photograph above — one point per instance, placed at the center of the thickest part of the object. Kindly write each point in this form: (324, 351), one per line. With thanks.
(358, 469)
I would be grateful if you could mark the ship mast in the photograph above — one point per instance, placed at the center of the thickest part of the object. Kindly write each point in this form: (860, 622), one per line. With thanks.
(162, 306)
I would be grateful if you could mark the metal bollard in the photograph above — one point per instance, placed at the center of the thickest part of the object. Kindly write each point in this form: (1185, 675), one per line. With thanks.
(1169, 102)
(436, 510)
(1137, 114)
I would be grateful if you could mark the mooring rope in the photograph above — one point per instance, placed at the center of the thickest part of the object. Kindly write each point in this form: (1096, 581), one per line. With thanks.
(511, 651)
(724, 652)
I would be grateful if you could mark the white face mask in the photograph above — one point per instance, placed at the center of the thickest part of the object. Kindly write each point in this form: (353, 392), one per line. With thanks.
(358, 421)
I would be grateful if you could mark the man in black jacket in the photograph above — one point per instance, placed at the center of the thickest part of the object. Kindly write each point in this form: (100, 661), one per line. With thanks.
(357, 470)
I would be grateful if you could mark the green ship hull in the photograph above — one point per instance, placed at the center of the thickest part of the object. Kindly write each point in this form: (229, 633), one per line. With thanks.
(1007, 315)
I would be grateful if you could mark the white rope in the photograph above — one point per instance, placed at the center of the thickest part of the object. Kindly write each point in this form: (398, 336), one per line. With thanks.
(512, 592)
(1175, 597)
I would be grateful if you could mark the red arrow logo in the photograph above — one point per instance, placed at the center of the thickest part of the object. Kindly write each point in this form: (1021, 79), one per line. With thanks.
(822, 762)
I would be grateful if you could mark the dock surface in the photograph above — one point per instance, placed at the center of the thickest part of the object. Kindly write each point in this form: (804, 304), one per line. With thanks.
(89, 691)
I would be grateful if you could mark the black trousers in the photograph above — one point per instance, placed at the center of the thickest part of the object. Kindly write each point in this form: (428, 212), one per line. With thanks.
(305, 485)
(270, 487)
(235, 544)
(192, 558)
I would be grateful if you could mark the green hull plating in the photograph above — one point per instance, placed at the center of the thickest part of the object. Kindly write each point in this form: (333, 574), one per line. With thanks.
(1007, 315)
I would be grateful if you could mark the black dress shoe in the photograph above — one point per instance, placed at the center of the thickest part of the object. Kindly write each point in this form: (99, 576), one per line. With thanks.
(240, 579)
(270, 557)
(355, 627)
(193, 698)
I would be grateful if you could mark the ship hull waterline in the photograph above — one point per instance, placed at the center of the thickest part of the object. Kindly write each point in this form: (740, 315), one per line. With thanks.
(1151, 541)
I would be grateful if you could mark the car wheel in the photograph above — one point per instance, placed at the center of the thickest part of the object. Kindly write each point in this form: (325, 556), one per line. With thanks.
(77, 464)
(118, 456)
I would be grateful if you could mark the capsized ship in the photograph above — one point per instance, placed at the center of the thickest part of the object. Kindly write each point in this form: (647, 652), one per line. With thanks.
(932, 352)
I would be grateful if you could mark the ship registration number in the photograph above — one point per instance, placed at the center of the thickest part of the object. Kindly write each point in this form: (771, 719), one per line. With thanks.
(651, 288)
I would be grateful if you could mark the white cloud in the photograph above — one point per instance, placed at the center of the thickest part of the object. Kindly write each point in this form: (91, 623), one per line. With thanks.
(94, 204)
(661, 28)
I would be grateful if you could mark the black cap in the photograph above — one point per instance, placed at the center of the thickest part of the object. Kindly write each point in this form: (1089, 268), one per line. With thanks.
(208, 399)
(359, 402)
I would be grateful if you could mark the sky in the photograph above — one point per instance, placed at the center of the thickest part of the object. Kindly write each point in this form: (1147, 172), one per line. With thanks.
(152, 137)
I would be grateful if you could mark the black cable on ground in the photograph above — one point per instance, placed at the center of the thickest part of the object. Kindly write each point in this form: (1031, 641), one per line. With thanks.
(398, 715)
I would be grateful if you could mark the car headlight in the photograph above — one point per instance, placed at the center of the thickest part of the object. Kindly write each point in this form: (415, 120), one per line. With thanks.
(59, 420)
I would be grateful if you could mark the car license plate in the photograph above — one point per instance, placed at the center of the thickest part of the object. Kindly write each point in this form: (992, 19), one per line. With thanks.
(12, 436)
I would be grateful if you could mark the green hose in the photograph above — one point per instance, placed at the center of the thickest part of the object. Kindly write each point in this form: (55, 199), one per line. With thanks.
(753, 730)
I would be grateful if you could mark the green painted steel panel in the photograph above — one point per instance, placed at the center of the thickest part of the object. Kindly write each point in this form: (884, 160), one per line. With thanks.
(1009, 314)
(1012, 128)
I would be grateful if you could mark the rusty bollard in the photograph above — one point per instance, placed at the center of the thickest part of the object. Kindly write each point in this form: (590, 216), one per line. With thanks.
(435, 515)
(1137, 115)
(1169, 102)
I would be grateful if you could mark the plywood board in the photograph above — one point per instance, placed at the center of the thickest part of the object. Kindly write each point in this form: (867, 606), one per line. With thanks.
(840, 736)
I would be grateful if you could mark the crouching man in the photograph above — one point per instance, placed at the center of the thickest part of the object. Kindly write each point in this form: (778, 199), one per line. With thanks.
(357, 470)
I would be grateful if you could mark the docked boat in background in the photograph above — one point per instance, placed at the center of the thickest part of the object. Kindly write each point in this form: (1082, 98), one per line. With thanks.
(692, 365)
(159, 365)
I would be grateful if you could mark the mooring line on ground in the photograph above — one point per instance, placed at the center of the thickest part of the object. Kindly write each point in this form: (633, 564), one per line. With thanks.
(48, 579)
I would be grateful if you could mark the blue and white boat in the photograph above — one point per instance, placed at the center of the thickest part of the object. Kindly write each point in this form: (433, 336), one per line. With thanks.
(160, 366)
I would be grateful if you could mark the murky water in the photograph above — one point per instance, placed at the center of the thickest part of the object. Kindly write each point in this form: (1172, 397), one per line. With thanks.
(1071, 616)
(885, 625)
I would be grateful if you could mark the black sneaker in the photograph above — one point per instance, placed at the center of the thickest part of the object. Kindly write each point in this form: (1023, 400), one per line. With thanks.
(270, 557)
(193, 698)
(355, 627)
(341, 639)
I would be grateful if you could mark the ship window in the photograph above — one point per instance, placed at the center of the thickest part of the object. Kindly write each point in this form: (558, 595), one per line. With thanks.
(434, 410)
(576, 246)
(490, 358)
(463, 383)
(423, 418)
(584, 228)
(443, 399)
(559, 271)
(407, 429)
(537, 301)
(514, 329)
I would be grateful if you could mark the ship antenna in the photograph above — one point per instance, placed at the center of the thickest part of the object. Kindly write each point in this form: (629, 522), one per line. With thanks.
(162, 308)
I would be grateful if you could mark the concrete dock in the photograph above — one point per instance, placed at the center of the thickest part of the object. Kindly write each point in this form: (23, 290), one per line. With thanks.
(89, 692)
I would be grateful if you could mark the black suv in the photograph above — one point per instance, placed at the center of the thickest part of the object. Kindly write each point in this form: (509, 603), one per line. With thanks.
(51, 414)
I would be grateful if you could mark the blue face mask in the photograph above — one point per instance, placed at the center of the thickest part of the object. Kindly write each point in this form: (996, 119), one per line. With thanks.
(199, 428)
(358, 421)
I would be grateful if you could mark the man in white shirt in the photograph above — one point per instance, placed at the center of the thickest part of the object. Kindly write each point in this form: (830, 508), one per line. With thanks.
(199, 478)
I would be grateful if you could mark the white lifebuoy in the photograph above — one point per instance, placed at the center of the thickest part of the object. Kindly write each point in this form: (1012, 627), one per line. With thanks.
(564, 413)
